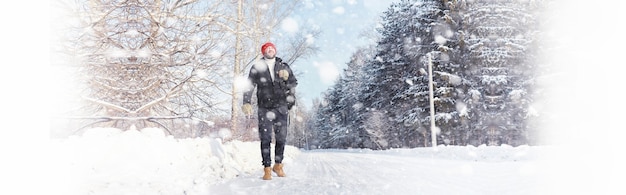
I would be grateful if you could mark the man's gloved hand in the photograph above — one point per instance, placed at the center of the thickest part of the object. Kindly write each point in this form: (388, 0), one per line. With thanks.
(247, 109)
(284, 74)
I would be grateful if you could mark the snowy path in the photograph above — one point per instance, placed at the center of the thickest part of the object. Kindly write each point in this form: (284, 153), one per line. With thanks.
(112, 161)
(350, 172)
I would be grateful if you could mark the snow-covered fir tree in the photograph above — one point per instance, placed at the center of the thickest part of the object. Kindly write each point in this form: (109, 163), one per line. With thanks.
(340, 117)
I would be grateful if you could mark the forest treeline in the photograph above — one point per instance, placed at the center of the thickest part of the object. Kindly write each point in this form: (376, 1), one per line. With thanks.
(484, 57)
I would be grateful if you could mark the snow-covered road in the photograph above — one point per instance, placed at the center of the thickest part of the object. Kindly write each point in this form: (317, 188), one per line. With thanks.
(112, 161)
(402, 172)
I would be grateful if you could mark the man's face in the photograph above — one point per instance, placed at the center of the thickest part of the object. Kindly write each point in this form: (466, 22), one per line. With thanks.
(270, 52)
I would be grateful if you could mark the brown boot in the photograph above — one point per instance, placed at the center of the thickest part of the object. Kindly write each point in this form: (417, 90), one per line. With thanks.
(268, 173)
(278, 169)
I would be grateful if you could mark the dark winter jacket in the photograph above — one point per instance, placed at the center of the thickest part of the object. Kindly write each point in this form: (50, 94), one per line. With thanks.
(271, 94)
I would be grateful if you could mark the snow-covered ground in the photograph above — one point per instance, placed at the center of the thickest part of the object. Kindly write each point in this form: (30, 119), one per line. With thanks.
(112, 161)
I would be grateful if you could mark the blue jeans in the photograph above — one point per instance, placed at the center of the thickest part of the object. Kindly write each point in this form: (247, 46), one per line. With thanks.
(273, 120)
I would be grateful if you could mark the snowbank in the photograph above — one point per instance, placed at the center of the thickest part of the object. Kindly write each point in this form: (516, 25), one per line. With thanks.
(112, 161)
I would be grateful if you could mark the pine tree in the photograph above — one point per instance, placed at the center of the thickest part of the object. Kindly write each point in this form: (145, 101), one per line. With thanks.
(412, 30)
(350, 103)
(340, 115)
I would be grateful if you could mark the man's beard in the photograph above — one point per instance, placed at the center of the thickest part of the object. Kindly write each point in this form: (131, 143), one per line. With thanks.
(269, 57)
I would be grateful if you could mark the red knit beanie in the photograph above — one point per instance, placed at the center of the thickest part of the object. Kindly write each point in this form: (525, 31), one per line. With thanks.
(268, 44)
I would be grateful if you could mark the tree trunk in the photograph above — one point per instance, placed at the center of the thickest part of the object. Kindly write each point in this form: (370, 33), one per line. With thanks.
(236, 70)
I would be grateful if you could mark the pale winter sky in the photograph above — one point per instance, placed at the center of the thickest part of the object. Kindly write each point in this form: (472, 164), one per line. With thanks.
(341, 23)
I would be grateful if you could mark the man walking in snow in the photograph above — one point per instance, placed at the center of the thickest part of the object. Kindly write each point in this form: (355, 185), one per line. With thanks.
(275, 85)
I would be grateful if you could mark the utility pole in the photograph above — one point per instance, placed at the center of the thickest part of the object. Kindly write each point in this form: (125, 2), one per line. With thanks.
(433, 133)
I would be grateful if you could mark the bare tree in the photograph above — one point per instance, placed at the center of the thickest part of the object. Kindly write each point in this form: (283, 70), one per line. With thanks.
(300, 46)
(375, 129)
(165, 63)
(147, 62)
